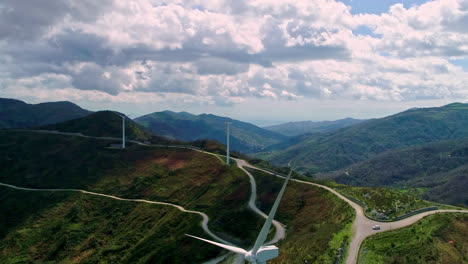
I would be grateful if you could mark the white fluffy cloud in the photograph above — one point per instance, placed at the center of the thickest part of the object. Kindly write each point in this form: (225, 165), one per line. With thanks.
(224, 51)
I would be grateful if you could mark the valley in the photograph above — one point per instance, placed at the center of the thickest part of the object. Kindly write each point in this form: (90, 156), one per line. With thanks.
(169, 179)
(234, 132)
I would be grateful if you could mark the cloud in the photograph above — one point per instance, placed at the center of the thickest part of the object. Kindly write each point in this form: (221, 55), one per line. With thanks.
(27, 20)
(224, 51)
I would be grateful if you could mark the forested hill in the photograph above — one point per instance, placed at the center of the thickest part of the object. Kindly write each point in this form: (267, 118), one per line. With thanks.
(18, 114)
(359, 142)
(304, 127)
(440, 168)
(106, 124)
(245, 137)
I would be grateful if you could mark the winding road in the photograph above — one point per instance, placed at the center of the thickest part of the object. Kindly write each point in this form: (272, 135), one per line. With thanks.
(362, 226)
(204, 223)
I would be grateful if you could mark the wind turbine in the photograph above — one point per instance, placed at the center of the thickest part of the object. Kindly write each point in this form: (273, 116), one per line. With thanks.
(228, 124)
(259, 254)
(123, 128)
(123, 131)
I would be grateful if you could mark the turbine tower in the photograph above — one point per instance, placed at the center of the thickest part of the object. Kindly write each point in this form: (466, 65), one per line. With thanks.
(228, 125)
(259, 254)
(123, 132)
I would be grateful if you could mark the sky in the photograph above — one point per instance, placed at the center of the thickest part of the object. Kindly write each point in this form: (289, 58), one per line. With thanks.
(261, 61)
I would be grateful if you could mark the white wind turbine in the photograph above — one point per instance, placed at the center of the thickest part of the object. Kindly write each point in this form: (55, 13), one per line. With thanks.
(228, 127)
(123, 131)
(259, 254)
(123, 127)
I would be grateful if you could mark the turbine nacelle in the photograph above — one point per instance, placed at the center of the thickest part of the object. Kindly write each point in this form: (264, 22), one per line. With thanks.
(264, 253)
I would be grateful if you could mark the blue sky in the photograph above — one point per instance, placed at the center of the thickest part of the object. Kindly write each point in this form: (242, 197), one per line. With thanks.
(265, 61)
(378, 6)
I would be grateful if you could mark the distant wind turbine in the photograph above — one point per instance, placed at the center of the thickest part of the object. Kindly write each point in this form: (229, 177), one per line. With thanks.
(123, 131)
(123, 128)
(259, 254)
(228, 124)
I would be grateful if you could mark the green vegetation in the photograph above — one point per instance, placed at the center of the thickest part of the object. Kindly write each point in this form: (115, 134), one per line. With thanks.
(385, 203)
(86, 229)
(106, 124)
(426, 242)
(379, 203)
(438, 168)
(71, 227)
(318, 223)
(245, 137)
(292, 129)
(17, 114)
(350, 145)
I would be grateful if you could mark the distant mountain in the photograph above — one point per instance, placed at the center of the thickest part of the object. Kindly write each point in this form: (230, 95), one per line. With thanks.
(440, 167)
(291, 129)
(18, 114)
(245, 137)
(353, 144)
(105, 124)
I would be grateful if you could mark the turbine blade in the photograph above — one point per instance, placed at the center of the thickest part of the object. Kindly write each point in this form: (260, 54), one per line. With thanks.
(228, 247)
(266, 227)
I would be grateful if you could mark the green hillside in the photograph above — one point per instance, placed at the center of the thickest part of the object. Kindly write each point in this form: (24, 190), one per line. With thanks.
(73, 227)
(318, 223)
(45, 227)
(440, 169)
(106, 124)
(359, 142)
(245, 137)
(292, 129)
(17, 114)
(427, 241)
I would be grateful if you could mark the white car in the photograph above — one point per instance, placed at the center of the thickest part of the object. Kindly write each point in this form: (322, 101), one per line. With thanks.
(376, 227)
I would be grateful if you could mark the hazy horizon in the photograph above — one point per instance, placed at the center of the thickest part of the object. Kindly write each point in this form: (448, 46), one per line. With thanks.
(264, 62)
(262, 115)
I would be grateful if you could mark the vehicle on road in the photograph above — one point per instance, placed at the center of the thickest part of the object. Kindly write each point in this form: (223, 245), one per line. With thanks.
(376, 227)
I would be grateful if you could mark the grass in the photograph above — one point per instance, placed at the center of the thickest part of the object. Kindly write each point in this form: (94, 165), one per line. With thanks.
(385, 203)
(318, 224)
(68, 228)
(86, 229)
(380, 203)
(427, 241)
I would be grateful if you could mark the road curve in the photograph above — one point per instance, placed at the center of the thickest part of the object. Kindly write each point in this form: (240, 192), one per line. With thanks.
(280, 231)
(204, 222)
(362, 226)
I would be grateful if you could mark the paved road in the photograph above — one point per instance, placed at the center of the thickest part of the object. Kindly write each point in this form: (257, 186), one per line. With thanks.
(280, 231)
(362, 226)
(204, 222)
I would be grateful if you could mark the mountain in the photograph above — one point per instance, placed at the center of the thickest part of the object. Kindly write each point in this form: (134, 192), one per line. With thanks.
(245, 137)
(353, 144)
(292, 129)
(106, 124)
(71, 227)
(440, 168)
(18, 114)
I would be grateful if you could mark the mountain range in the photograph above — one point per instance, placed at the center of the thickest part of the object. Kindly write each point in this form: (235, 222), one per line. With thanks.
(245, 137)
(423, 150)
(292, 129)
(405, 150)
(18, 114)
(336, 150)
(439, 168)
(106, 124)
